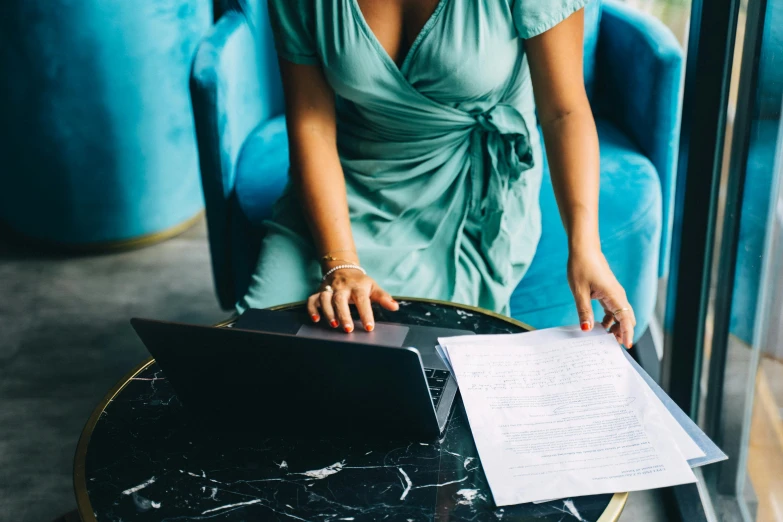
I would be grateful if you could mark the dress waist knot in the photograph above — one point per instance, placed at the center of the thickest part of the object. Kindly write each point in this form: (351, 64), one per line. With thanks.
(501, 152)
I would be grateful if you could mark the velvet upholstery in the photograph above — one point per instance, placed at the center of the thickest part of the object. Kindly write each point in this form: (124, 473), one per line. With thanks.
(633, 201)
(640, 69)
(96, 128)
(235, 84)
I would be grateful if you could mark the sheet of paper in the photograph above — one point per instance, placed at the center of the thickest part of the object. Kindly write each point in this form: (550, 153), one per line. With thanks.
(561, 419)
(686, 445)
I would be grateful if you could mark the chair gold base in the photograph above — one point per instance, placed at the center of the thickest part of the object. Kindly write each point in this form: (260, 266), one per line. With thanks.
(105, 247)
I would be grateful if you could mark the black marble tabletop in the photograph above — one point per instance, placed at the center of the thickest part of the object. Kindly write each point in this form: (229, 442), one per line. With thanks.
(142, 465)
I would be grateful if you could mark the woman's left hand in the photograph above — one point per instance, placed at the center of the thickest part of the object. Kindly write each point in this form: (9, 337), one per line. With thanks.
(590, 277)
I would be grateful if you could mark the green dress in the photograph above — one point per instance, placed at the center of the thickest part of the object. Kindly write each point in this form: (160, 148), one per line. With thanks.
(441, 156)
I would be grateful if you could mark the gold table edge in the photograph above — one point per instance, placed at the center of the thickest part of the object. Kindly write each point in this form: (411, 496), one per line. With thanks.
(83, 505)
(615, 508)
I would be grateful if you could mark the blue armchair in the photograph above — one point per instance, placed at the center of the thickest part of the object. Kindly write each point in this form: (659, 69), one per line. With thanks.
(633, 67)
(96, 133)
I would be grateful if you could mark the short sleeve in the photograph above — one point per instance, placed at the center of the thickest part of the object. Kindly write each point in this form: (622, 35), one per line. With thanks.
(293, 30)
(533, 17)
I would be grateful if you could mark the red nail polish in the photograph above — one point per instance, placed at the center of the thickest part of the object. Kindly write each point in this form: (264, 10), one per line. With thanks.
(369, 327)
(348, 328)
(585, 326)
(333, 323)
(315, 318)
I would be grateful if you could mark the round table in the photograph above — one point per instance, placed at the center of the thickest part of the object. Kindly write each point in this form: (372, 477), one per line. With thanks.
(136, 462)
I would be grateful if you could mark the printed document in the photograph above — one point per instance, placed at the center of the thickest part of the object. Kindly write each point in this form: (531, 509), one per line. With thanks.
(686, 445)
(566, 418)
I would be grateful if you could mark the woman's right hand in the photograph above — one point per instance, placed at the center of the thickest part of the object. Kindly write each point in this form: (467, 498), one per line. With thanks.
(348, 286)
(317, 175)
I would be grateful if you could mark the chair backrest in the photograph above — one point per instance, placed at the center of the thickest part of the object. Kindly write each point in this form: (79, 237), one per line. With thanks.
(235, 85)
(257, 17)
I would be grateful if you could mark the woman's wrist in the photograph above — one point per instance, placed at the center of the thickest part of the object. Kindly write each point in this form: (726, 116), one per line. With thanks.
(350, 266)
(327, 265)
(583, 241)
(581, 224)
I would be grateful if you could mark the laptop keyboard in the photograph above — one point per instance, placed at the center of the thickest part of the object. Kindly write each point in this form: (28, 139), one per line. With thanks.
(436, 379)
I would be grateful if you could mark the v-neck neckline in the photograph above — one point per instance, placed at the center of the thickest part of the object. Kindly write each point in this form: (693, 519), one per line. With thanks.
(411, 52)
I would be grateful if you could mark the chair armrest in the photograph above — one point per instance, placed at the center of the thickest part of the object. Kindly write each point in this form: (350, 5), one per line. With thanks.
(638, 83)
(234, 85)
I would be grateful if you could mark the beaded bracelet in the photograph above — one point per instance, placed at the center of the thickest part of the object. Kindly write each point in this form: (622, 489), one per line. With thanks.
(342, 267)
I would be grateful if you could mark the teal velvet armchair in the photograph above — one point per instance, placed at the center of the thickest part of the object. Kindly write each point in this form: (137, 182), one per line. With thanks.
(96, 129)
(633, 68)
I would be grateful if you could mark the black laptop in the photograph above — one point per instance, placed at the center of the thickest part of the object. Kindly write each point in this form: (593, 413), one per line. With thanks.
(275, 372)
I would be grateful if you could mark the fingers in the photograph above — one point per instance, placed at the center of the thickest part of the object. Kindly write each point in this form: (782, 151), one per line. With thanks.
(312, 307)
(335, 300)
(584, 308)
(624, 318)
(361, 299)
(608, 319)
(327, 309)
(384, 299)
(618, 334)
(627, 323)
(341, 308)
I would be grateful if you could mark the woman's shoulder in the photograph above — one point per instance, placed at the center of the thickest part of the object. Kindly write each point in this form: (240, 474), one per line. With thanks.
(533, 17)
(292, 26)
(299, 8)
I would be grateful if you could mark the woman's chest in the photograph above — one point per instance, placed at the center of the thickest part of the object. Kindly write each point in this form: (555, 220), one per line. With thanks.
(397, 23)
(464, 51)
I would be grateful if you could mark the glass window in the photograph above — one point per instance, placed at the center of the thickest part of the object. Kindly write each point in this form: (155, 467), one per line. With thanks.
(674, 13)
(741, 392)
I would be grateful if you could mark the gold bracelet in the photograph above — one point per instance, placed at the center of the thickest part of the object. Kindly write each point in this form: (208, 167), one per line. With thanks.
(329, 257)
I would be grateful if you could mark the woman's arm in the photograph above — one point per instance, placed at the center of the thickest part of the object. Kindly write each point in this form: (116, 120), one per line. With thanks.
(318, 177)
(555, 59)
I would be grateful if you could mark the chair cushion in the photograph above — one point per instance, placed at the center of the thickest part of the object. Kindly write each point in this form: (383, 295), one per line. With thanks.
(630, 227)
(262, 170)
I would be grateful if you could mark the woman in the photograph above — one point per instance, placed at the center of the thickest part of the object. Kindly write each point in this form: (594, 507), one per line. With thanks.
(415, 157)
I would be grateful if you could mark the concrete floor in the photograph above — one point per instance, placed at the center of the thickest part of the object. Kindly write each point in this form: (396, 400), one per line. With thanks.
(65, 340)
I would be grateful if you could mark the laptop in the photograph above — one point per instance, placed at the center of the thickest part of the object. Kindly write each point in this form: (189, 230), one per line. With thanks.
(277, 373)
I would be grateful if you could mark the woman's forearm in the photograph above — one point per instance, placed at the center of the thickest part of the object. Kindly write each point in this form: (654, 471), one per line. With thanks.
(320, 183)
(315, 165)
(318, 179)
(572, 150)
(555, 59)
